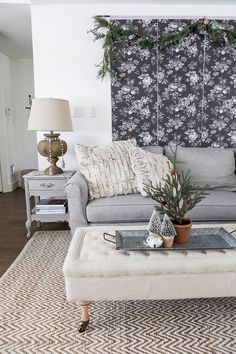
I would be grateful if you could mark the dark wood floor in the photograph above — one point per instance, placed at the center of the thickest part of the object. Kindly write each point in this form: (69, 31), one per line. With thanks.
(12, 227)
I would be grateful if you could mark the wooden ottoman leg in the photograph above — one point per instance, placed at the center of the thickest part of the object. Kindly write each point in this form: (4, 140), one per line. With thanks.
(84, 305)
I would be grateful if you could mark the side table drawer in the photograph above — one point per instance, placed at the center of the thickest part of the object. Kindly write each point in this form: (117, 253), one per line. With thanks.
(47, 185)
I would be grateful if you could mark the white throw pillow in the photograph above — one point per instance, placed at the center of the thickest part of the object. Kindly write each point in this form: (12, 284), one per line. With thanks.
(107, 168)
(148, 168)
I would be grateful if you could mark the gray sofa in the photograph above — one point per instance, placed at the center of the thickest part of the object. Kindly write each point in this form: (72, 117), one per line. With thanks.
(213, 166)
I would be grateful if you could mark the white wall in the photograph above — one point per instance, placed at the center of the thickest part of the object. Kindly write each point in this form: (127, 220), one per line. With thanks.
(18, 146)
(65, 57)
(23, 85)
(7, 127)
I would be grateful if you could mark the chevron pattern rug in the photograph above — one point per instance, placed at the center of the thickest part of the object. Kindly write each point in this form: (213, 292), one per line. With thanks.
(36, 318)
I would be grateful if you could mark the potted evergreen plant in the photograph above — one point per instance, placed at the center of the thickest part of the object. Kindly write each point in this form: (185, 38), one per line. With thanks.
(176, 197)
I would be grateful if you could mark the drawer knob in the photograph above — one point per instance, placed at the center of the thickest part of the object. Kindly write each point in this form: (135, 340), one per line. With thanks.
(49, 185)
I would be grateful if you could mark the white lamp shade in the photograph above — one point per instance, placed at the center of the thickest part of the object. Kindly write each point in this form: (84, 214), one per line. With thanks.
(50, 114)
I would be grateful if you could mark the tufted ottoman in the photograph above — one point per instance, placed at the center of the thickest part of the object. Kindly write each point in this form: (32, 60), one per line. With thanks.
(95, 270)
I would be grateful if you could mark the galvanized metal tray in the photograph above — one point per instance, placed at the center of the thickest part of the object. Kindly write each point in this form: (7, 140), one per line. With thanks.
(216, 238)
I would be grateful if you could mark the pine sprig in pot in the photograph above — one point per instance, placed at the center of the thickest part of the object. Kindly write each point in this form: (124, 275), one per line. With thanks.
(175, 195)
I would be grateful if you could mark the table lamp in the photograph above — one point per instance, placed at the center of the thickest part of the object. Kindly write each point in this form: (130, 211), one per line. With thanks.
(51, 114)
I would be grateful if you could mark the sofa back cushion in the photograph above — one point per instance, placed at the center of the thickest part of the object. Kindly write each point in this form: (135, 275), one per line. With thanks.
(107, 168)
(154, 149)
(212, 166)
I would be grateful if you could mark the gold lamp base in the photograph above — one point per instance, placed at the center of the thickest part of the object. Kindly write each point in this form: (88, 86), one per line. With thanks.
(53, 169)
(52, 147)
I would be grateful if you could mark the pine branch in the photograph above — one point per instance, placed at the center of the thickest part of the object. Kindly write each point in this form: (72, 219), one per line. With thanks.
(174, 197)
(103, 30)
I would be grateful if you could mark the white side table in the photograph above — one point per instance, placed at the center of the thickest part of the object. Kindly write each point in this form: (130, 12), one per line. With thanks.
(41, 186)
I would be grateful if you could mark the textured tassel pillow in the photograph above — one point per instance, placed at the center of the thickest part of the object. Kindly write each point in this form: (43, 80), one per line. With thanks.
(148, 168)
(107, 168)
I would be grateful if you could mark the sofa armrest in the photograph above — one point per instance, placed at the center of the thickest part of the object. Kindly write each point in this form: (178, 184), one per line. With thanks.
(76, 190)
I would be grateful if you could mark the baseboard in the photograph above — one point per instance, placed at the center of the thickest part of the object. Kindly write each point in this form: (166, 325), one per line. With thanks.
(15, 184)
(12, 186)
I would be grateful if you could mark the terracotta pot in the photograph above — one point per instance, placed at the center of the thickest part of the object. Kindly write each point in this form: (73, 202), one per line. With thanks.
(168, 241)
(182, 231)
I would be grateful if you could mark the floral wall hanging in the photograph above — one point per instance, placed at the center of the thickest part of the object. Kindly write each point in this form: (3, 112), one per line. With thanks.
(173, 82)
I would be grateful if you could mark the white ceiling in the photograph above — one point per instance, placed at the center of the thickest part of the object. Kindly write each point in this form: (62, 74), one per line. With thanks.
(166, 2)
(15, 30)
(186, 2)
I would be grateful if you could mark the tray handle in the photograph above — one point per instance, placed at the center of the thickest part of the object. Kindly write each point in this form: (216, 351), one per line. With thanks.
(106, 239)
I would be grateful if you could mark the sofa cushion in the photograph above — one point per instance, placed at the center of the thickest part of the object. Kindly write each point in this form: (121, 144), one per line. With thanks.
(212, 166)
(149, 168)
(218, 205)
(123, 208)
(107, 168)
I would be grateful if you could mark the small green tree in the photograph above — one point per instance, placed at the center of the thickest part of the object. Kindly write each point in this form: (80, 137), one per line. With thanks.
(175, 195)
(154, 224)
(167, 227)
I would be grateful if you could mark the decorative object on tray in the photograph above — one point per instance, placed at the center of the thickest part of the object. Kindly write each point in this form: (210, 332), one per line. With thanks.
(167, 232)
(154, 224)
(175, 197)
(201, 239)
(153, 240)
(110, 32)
(160, 232)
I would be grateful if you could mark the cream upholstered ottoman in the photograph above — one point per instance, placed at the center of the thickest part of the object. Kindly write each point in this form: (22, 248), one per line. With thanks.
(95, 270)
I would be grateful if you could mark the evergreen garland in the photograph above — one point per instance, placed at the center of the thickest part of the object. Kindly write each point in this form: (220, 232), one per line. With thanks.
(111, 33)
(108, 32)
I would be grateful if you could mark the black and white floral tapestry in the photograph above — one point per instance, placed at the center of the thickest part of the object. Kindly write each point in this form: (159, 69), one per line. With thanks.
(183, 94)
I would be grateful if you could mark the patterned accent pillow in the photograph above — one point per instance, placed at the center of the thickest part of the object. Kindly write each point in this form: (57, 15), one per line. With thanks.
(148, 168)
(107, 168)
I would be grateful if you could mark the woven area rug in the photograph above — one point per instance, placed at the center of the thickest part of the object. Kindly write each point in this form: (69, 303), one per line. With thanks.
(36, 318)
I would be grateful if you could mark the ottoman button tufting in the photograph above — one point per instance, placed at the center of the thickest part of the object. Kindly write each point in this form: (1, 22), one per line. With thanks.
(126, 253)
